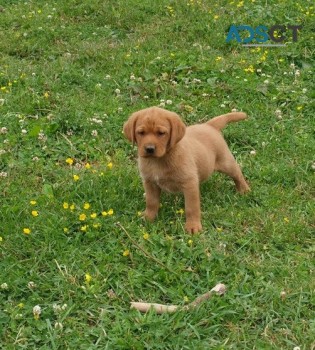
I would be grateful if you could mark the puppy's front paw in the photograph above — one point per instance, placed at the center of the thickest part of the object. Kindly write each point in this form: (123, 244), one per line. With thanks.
(193, 226)
(149, 215)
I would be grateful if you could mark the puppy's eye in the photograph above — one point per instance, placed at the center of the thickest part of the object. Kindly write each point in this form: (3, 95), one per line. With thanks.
(161, 133)
(140, 132)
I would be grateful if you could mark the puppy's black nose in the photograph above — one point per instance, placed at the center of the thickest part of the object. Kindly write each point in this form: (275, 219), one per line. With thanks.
(150, 149)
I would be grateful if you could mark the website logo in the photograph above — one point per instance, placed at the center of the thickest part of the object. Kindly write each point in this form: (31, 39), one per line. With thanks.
(260, 35)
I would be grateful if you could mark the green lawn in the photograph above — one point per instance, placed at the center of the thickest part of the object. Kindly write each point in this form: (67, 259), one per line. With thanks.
(71, 72)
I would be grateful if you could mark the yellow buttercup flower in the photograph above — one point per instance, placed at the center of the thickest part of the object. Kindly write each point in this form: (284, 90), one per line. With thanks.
(87, 166)
(110, 165)
(32, 202)
(72, 206)
(26, 231)
(76, 177)
(65, 205)
(35, 213)
(88, 278)
(84, 228)
(82, 217)
(104, 213)
(93, 215)
(69, 161)
(146, 236)
(110, 212)
(86, 206)
(126, 252)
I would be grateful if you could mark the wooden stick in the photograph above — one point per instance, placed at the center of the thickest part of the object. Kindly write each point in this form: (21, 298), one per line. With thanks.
(219, 289)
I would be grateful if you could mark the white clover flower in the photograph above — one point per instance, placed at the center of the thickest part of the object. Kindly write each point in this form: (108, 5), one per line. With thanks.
(313, 166)
(119, 109)
(58, 325)
(222, 105)
(94, 133)
(41, 136)
(3, 174)
(107, 76)
(145, 97)
(234, 110)
(23, 131)
(4, 286)
(37, 311)
(283, 294)
(132, 76)
(304, 90)
(35, 159)
(31, 285)
(266, 82)
(292, 65)
(2, 151)
(3, 130)
(252, 153)
(2, 100)
(169, 102)
(117, 91)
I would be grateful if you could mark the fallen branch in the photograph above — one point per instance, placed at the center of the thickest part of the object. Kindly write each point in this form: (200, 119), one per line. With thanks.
(219, 289)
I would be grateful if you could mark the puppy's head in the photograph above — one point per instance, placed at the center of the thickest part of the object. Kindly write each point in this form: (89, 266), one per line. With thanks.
(154, 130)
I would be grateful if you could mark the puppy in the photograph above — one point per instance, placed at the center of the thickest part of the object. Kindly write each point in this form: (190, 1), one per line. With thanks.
(176, 158)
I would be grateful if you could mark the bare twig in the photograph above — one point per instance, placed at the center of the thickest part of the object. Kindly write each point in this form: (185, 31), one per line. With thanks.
(219, 289)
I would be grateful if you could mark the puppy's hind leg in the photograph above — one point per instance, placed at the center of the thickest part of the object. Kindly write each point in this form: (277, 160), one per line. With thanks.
(229, 166)
(152, 198)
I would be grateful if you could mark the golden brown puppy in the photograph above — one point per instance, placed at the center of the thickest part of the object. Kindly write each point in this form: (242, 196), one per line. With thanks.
(176, 158)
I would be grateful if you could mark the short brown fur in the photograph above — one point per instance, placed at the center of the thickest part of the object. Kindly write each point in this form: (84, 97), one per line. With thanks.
(176, 158)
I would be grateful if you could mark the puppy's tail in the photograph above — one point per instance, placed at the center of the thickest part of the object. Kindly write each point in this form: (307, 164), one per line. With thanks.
(222, 120)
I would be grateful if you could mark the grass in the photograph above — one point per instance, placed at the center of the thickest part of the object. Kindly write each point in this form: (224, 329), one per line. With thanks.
(71, 73)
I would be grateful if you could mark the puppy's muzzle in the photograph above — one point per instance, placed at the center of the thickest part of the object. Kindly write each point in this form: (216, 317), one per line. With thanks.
(149, 150)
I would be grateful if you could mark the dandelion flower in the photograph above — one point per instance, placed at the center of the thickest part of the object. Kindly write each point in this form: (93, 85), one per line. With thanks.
(26, 231)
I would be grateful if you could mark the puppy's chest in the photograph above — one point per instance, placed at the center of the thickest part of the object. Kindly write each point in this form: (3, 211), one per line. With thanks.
(166, 179)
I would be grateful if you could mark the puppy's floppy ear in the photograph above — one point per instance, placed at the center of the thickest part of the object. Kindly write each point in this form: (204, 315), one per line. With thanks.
(178, 129)
(129, 128)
